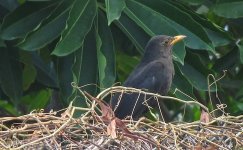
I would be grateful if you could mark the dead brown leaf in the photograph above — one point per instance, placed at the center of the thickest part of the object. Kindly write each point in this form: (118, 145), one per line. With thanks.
(205, 117)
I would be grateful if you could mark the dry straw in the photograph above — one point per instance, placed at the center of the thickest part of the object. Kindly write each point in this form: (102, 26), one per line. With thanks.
(96, 130)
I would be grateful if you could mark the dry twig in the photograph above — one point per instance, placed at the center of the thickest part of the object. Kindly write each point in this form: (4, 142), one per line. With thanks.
(39, 130)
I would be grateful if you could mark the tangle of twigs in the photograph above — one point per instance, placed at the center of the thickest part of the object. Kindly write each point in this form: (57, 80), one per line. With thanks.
(95, 129)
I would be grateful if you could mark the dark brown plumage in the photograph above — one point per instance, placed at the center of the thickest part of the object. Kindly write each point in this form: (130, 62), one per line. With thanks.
(154, 73)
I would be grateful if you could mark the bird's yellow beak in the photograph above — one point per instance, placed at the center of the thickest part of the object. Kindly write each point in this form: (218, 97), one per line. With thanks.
(176, 39)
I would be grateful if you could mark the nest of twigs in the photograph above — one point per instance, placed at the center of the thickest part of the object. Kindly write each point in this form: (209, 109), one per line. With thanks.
(98, 128)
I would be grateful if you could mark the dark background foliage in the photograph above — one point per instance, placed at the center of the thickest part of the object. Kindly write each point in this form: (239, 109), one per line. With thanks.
(47, 44)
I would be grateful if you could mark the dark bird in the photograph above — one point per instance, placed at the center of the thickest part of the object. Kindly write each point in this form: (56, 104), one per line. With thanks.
(154, 74)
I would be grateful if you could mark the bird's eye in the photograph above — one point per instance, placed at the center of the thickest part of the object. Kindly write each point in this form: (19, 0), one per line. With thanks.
(165, 42)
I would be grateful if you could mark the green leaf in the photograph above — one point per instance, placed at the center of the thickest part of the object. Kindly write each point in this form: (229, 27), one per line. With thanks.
(89, 65)
(194, 76)
(37, 0)
(198, 66)
(240, 47)
(126, 64)
(114, 9)
(21, 1)
(10, 74)
(239, 105)
(29, 76)
(5, 105)
(229, 9)
(65, 76)
(45, 71)
(24, 19)
(239, 94)
(2, 44)
(137, 35)
(196, 60)
(179, 52)
(217, 38)
(79, 23)
(182, 84)
(105, 53)
(216, 34)
(37, 99)
(227, 61)
(85, 69)
(50, 29)
(194, 2)
(231, 84)
(29, 71)
(182, 23)
(9, 4)
(148, 20)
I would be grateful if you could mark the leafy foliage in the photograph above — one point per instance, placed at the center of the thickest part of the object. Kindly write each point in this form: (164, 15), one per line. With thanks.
(49, 44)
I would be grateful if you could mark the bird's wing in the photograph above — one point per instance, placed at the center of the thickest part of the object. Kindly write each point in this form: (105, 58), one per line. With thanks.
(153, 77)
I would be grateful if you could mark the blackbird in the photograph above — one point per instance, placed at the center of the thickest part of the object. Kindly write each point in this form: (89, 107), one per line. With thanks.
(154, 74)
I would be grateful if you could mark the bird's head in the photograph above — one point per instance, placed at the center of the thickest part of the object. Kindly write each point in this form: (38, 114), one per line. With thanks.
(162, 44)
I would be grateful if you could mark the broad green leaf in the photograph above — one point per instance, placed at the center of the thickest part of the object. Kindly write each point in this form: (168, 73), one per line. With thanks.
(29, 76)
(21, 1)
(85, 67)
(229, 9)
(45, 71)
(192, 40)
(178, 16)
(194, 76)
(76, 74)
(37, 99)
(182, 84)
(179, 52)
(77, 65)
(239, 94)
(239, 75)
(154, 24)
(105, 53)
(125, 65)
(196, 61)
(38, 0)
(231, 83)
(10, 74)
(240, 47)
(194, 2)
(24, 19)
(3, 13)
(79, 23)
(5, 105)
(136, 34)
(114, 9)
(191, 113)
(182, 23)
(240, 105)
(217, 38)
(65, 76)
(216, 34)
(9, 4)
(227, 61)
(2, 44)
(29, 71)
(89, 65)
(49, 30)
